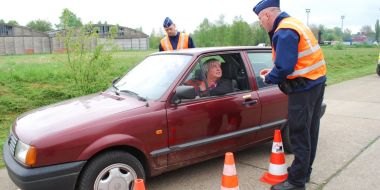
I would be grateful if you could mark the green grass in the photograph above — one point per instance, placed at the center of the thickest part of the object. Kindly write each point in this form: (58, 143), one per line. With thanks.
(350, 63)
(31, 81)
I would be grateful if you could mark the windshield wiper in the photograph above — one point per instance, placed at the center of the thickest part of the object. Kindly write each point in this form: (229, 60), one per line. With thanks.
(116, 89)
(135, 94)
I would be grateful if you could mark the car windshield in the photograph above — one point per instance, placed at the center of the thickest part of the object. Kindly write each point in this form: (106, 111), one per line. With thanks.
(153, 76)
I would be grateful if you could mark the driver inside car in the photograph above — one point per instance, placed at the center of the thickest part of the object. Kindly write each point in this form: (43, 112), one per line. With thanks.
(212, 84)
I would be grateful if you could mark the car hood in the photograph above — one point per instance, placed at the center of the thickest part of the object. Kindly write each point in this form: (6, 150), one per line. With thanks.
(72, 113)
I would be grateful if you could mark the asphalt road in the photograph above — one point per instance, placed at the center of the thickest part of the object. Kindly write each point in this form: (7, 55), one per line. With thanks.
(347, 156)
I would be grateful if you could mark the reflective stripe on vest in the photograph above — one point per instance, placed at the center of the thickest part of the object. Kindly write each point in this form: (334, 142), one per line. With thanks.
(312, 48)
(166, 45)
(311, 63)
(308, 69)
(183, 42)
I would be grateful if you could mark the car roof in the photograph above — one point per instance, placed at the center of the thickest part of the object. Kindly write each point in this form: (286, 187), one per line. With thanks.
(194, 51)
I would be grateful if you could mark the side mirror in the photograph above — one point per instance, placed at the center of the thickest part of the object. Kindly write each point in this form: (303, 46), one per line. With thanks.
(183, 92)
(115, 80)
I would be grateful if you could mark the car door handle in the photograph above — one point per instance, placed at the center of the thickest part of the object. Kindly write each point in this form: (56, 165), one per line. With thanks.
(250, 102)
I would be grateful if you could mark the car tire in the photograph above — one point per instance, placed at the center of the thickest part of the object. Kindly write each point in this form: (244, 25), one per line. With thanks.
(116, 169)
(378, 70)
(286, 139)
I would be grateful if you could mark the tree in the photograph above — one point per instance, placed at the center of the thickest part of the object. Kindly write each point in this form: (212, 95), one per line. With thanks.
(68, 20)
(87, 62)
(240, 32)
(314, 28)
(154, 39)
(318, 32)
(330, 35)
(367, 29)
(13, 23)
(221, 30)
(377, 31)
(2, 21)
(40, 25)
(203, 34)
(259, 34)
(338, 33)
(347, 36)
(139, 29)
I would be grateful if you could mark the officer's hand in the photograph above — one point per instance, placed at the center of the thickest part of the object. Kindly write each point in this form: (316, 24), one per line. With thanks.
(264, 73)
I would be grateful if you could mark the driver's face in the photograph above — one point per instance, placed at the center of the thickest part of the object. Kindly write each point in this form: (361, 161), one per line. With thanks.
(215, 70)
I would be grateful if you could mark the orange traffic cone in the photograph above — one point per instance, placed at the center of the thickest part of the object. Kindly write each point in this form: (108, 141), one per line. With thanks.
(229, 178)
(277, 167)
(139, 184)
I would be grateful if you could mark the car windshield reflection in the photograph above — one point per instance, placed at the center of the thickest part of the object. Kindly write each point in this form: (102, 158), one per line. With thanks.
(153, 76)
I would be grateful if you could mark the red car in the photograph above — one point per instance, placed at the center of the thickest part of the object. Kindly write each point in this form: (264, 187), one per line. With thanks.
(150, 121)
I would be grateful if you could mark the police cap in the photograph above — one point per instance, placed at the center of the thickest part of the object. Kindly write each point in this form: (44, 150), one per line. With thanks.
(265, 4)
(167, 22)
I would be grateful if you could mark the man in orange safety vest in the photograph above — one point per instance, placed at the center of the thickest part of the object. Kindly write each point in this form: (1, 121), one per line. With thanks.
(300, 71)
(174, 40)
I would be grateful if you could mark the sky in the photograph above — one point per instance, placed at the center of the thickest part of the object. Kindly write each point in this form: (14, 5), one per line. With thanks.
(187, 15)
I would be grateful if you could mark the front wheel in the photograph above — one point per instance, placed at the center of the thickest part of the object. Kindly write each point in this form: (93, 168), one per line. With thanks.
(286, 139)
(110, 171)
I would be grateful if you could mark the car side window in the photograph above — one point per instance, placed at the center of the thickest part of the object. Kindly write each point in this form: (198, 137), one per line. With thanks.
(217, 75)
(260, 61)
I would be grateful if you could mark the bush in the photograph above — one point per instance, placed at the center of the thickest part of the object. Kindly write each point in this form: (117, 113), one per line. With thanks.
(86, 63)
(339, 46)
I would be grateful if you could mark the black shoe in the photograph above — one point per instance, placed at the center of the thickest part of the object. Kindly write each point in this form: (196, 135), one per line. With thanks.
(286, 186)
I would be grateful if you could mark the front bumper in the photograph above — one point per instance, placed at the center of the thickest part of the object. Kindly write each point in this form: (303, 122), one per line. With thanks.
(57, 177)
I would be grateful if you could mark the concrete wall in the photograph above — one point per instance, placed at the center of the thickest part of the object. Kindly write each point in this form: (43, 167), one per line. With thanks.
(57, 46)
(132, 44)
(121, 44)
(24, 45)
(2, 46)
(24, 40)
(30, 45)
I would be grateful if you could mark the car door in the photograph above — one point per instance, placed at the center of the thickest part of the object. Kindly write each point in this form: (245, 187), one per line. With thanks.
(206, 126)
(274, 103)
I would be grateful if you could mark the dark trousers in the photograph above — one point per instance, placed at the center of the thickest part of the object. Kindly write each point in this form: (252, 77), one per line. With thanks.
(304, 118)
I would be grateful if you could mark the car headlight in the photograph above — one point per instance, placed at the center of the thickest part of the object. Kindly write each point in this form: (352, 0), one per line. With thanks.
(25, 153)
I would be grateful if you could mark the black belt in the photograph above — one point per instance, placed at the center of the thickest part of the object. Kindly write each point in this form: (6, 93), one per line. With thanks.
(289, 85)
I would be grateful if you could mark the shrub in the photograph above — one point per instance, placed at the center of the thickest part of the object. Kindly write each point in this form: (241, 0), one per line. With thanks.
(339, 46)
(87, 61)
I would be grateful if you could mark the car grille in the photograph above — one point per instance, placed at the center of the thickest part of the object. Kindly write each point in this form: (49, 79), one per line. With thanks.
(12, 141)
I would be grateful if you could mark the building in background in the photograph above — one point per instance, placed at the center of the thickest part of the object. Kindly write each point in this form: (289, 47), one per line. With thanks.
(359, 39)
(24, 40)
(125, 39)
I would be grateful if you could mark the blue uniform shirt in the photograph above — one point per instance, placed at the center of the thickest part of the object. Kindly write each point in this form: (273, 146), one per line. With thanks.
(174, 41)
(285, 42)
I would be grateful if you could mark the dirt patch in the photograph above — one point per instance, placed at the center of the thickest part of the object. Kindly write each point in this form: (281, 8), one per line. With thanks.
(3, 90)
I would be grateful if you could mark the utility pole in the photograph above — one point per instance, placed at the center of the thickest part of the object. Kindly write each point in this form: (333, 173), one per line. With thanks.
(342, 17)
(307, 13)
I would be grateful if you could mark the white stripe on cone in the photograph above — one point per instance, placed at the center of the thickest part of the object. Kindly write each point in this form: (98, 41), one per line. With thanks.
(226, 188)
(229, 170)
(276, 169)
